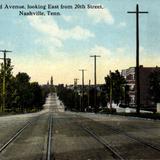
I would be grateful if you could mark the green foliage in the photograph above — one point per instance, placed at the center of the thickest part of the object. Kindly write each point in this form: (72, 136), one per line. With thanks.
(21, 95)
(72, 98)
(103, 100)
(115, 86)
(45, 90)
(9, 84)
(69, 97)
(36, 91)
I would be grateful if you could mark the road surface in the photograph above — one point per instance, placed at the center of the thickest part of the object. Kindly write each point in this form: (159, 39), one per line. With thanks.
(55, 134)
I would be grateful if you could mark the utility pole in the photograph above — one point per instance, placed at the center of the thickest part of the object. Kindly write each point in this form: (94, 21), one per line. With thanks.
(137, 12)
(75, 90)
(111, 90)
(4, 79)
(95, 81)
(82, 99)
(89, 92)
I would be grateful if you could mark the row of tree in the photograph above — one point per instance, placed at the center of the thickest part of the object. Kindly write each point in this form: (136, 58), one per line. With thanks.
(20, 94)
(114, 90)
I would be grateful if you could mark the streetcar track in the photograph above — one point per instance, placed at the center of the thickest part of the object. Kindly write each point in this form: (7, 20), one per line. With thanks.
(20, 131)
(116, 130)
(6, 144)
(103, 142)
(49, 155)
(17, 133)
(115, 155)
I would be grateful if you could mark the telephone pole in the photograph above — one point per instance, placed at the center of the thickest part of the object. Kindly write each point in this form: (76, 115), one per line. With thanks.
(4, 79)
(75, 91)
(82, 90)
(89, 85)
(95, 81)
(137, 12)
(111, 89)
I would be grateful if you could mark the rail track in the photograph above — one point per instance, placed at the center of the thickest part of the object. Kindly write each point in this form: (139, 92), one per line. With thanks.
(14, 136)
(104, 142)
(87, 127)
(116, 130)
(49, 155)
(115, 154)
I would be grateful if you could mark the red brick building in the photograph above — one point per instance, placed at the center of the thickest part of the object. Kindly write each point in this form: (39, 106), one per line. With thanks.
(130, 76)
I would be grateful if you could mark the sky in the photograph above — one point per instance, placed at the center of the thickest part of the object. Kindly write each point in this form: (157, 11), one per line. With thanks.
(58, 46)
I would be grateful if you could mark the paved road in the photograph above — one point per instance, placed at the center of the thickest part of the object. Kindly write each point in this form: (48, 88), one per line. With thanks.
(78, 136)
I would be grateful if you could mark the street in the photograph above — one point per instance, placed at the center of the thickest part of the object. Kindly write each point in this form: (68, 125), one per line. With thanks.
(56, 134)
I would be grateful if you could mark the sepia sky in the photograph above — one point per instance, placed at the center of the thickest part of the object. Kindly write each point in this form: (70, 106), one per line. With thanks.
(61, 45)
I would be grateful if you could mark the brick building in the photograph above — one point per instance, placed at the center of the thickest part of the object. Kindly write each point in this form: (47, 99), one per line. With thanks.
(130, 76)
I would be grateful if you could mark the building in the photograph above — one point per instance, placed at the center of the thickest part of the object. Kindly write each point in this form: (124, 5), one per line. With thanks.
(130, 76)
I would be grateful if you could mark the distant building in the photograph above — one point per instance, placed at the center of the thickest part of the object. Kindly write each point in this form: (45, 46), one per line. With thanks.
(130, 76)
(51, 82)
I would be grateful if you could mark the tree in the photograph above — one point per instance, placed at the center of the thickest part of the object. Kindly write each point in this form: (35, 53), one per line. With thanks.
(36, 99)
(20, 94)
(9, 85)
(115, 83)
(103, 97)
(23, 92)
(45, 91)
(69, 97)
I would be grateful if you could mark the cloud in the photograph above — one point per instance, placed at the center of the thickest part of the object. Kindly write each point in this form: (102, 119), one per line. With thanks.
(49, 28)
(101, 15)
(64, 68)
(78, 33)
(100, 50)
(48, 41)
(67, 18)
(111, 59)
(122, 24)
